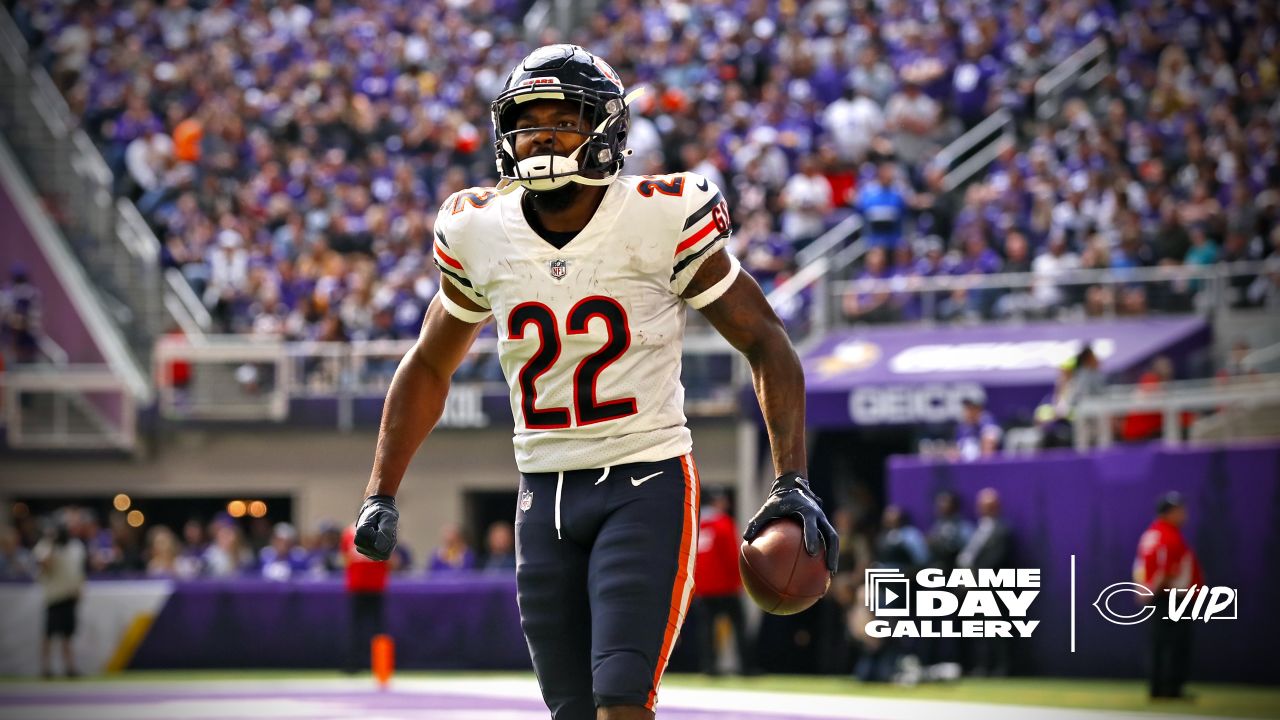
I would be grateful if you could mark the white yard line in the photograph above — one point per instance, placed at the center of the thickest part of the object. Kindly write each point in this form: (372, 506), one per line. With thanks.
(800, 706)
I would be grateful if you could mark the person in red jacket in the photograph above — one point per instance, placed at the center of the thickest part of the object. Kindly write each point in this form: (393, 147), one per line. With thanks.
(717, 588)
(366, 588)
(1166, 562)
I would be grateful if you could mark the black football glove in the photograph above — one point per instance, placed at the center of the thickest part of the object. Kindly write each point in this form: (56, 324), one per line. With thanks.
(790, 496)
(376, 527)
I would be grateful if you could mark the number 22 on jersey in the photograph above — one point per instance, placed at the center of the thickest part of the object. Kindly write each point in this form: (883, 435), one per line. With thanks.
(587, 409)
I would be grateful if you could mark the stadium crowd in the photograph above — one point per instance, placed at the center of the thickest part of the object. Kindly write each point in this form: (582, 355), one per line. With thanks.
(225, 547)
(290, 155)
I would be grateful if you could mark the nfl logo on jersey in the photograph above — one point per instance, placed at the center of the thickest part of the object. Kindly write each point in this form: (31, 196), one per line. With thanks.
(559, 268)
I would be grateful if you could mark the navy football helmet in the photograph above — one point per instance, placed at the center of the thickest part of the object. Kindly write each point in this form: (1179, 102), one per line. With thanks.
(564, 72)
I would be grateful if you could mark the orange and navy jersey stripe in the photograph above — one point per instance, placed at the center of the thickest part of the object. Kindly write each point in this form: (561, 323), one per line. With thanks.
(451, 267)
(682, 587)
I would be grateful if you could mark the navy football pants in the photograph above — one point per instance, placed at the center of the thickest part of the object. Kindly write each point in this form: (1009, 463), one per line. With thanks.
(604, 573)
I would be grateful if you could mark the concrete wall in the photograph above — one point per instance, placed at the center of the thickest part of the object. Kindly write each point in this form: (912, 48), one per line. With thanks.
(324, 472)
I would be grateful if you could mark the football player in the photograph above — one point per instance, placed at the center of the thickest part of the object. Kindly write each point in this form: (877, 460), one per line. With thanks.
(586, 274)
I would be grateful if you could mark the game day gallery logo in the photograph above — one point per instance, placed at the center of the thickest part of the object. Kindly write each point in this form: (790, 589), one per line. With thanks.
(962, 603)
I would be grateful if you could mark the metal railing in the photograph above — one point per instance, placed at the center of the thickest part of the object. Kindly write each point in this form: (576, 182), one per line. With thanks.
(1204, 288)
(1084, 69)
(239, 378)
(1262, 357)
(973, 151)
(68, 407)
(1093, 417)
(107, 236)
(184, 306)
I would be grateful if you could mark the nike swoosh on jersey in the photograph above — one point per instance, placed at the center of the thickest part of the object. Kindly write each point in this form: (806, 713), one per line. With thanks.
(703, 185)
(645, 479)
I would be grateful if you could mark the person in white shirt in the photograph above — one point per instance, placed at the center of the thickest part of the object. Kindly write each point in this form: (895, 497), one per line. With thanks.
(913, 117)
(852, 123)
(61, 559)
(1048, 266)
(807, 199)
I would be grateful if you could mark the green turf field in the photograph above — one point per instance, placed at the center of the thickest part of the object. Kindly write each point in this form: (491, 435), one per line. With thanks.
(1246, 701)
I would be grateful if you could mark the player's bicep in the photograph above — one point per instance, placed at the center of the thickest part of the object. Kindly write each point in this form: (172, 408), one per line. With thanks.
(445, 338)
(711, 279)
(462, 305)
(741, 313)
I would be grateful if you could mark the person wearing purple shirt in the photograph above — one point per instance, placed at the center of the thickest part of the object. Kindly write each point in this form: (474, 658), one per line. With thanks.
(872, 306)
(453, 554)
(971, 83)
(284, 559)
(977, 259)
(977, 433)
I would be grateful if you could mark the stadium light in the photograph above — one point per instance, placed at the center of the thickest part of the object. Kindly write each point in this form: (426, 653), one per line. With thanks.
(122, 502)
(258, 509)
(135, 518)
(236, 508)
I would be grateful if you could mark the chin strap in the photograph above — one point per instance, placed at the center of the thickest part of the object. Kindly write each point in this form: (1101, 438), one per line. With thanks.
(509, 184)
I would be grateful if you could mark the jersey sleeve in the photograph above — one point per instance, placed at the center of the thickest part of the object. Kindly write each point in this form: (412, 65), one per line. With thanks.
(448, 258)
(705, 230)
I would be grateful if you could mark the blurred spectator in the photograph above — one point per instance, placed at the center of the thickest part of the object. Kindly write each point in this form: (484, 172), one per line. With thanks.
(16, 562)
(163, 553)
(326, 553)
(1143, 426)
(872, 76)
(1048, 266)
(124, 551)
(977, 434)
(228, 556)
(883, 207)
(1264, 291)
(852, 122)
(1235, 364)
(1087, 379)
(20, 319)
(806, 199)
(61, 559)
(1164, 562)
(194, 546)
(717, 586)
(900, 544)
(873, 306)
(500, 548)
(284, 558)
(950, 532)
(948, 536)
(366, 582)
(453, 553)
(990, 547)
(914, 119)
(1016, 302)
(765, 253)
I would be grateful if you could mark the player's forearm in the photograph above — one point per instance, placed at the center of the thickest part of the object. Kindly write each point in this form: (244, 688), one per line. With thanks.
(778, 378)
(414, 404)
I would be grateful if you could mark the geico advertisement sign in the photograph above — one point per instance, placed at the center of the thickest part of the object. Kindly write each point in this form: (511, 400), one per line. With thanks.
(986, 603)
(901, 404)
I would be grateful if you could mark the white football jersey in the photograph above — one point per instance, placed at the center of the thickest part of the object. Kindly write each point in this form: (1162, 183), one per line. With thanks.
(590, 335)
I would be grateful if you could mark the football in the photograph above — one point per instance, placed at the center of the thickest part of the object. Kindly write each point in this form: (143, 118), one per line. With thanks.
(778, 574)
